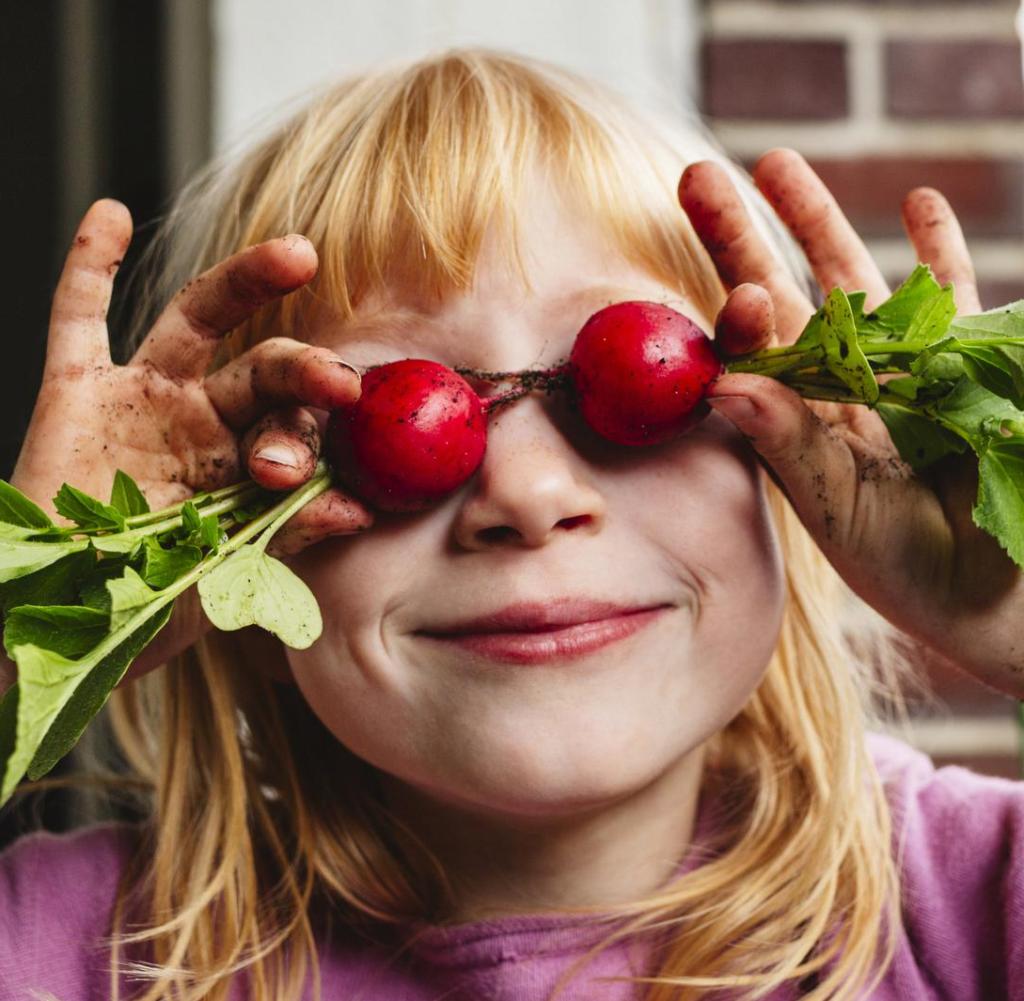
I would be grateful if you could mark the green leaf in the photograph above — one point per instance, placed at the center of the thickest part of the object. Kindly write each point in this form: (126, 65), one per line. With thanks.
(118, 543)
(18, 558)
(90, 696)
(1000, 505)
(999, 368)
(906, 386)
(58, 697)
(869, 326)
(17, 509)
(963, 387)
(919, 441)
(70, 656)
(92, 591)
(209, 532)
(191, 522)
(811, 335)
(161, 566)
(1005, 321)
(195, 529)
(932, 318)
(8, 723)
(843, 354)
(56, 584)
(974, 413)
(246, 512)
(252, 588)
(934, 364)
(127, 497)
(897, 312)
(46, 681)
(86, 511)
(9, 531)
(857, 300)
(70, 630)
(128, 593)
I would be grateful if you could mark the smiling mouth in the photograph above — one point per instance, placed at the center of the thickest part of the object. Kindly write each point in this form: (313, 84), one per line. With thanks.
(551, 643)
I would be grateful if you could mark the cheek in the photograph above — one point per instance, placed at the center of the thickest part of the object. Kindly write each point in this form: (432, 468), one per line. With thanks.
(357, 582)
(362, 585)
(705, 510)
(703, 497)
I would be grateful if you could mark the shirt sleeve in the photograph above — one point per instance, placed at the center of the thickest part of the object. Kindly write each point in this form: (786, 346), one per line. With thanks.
(56, 897)
(959, 842)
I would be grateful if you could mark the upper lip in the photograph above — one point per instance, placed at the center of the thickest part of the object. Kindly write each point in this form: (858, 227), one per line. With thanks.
(531, 616)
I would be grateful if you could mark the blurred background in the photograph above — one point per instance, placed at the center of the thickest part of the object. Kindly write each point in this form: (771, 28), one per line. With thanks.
(124, 98)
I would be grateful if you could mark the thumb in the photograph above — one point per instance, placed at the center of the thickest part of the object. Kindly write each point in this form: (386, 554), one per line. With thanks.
(331, 513)
(807, 459)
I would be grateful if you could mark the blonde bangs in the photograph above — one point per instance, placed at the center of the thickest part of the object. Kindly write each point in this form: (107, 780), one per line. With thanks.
(405, 173)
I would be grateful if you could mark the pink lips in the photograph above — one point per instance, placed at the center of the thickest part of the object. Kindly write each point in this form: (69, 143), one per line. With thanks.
(535, 632)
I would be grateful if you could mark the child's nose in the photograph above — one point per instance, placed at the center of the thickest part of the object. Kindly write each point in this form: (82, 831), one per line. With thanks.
(530, 485)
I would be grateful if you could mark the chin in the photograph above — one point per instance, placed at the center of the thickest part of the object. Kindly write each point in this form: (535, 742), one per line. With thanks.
(538, 788)
(534, 807)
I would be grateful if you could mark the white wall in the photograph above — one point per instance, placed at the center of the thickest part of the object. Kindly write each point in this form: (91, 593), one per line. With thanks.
(268, 51)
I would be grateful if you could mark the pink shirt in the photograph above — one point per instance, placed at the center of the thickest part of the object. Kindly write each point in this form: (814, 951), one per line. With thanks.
(963, 935)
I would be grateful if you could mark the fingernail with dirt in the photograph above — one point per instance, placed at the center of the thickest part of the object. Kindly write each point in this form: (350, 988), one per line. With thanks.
(736, 408)
(351, 368)
(279, 455)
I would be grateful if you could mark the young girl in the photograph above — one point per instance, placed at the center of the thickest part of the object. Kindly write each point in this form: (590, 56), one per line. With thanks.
(680, 799)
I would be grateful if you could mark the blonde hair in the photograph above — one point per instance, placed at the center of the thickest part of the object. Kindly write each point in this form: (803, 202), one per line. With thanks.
(244, 844)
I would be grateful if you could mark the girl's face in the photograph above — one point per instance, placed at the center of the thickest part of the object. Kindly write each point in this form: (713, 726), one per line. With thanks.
(553, 512)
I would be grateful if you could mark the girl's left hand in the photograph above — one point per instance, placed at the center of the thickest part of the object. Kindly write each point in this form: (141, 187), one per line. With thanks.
(904, 541)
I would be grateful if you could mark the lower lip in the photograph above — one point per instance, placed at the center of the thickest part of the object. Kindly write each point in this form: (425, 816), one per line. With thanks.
(553, 644)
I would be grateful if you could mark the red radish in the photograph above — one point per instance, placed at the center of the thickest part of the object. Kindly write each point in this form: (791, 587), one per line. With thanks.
(416, 433)
(640, 370)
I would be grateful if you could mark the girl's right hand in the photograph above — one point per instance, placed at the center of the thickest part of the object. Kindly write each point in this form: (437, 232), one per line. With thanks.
(166, 423)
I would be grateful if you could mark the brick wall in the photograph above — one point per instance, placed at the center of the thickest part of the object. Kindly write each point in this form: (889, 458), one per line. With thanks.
(881, 97)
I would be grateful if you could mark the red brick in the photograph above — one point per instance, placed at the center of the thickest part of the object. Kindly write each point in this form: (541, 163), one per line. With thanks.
(774, 78)
(954, 79)
(986, 194)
